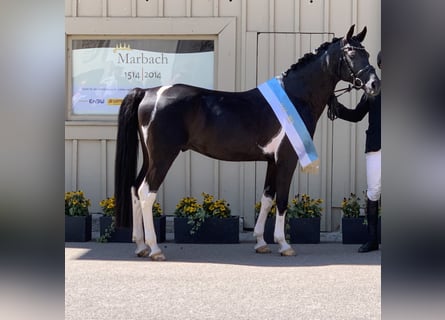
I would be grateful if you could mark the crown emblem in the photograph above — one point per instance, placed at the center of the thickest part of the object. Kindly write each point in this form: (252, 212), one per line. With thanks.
(121, 46)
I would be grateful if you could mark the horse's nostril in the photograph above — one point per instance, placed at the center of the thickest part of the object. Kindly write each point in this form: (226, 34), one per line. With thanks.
(375, 85)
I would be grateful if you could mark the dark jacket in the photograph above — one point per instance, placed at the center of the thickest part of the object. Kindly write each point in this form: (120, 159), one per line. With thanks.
(367, 104)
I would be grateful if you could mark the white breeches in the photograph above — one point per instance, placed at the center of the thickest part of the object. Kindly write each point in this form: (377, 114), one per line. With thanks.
(374, 174)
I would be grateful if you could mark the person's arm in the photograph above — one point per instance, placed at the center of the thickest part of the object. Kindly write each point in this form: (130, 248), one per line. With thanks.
(352, 115)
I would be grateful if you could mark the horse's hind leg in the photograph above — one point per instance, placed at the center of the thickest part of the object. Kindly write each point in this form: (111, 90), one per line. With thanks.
(138, 230)
(147, 199)
(157, 170)
(266, 205)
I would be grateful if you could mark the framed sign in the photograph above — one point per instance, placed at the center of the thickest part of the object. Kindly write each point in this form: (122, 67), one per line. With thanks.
(104, 70)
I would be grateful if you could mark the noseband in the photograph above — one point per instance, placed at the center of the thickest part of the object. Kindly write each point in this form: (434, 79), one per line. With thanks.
(357, 83)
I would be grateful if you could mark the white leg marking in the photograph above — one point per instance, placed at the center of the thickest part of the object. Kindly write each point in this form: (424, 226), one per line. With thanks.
(138, 231)
(279, 235)
(147, 200)
(258, 232)
(272, 146)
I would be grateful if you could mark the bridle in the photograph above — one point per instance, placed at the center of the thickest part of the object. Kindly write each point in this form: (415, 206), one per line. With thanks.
(357, 83)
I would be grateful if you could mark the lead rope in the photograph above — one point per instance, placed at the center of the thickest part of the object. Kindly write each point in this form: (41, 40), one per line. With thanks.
(331, 113)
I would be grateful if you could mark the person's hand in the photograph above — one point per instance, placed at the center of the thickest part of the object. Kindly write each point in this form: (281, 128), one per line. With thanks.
(333, 102)
(333, 107)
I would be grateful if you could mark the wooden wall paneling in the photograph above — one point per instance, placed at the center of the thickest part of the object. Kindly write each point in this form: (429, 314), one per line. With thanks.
(175, 8)
(312, 16)
(284, 16)
(146, 8)
(89, 8)
(110, 160)
(69, 164)
(202, 8)
(119, 8)
(258, 15)
(89, 171)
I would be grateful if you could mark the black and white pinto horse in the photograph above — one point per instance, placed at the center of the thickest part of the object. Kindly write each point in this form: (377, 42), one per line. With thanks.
(231, 126)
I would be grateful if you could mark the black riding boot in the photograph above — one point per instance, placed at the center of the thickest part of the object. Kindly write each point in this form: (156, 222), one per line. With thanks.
(372, 217)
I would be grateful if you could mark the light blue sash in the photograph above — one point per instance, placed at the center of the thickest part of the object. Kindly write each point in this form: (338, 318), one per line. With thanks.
(292, 124)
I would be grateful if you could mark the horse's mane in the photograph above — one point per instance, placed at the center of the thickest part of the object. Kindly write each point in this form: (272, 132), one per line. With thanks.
(309, 56)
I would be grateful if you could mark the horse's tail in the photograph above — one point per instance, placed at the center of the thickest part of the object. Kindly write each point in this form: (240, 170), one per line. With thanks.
(126, 156)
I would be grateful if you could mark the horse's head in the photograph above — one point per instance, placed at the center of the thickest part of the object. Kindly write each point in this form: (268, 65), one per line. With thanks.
(354, 66)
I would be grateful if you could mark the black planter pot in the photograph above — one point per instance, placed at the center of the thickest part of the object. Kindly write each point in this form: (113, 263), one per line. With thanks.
(299, 230)
(304, 230)
(354, 231)
(77, 228)
(126, 234)
(118, 234)
(160, 224)
(213, 230)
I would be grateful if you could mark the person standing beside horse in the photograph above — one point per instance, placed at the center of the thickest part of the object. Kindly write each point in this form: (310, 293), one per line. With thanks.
(370, 105)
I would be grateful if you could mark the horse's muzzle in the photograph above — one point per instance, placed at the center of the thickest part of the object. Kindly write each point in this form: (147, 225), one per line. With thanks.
(372, 86)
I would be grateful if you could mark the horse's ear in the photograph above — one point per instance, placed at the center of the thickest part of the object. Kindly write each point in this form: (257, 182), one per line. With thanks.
(348, 35)
(361, 35)
(350, 32)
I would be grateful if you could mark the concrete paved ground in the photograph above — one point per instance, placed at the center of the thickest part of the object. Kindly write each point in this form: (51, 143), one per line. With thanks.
(198, 281)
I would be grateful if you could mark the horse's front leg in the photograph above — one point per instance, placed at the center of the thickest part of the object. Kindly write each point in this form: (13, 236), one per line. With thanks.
(280, 235)
(147, 200)
(285, 169)
(258, 232)
(138, 230)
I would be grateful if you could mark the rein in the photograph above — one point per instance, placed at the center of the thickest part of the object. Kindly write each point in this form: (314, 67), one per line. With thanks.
(344, 90)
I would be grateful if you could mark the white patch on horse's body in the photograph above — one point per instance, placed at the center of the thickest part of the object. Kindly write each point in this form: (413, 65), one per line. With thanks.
(272, 146)
(155, 108)
(326, 58)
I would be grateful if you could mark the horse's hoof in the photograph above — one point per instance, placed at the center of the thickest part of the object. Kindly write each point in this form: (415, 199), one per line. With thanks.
(288, 252)
(143, 253)
(158, 257)
(263, 249)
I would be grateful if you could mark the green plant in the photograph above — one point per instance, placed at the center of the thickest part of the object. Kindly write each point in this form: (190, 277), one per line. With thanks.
(76, 204)
(304, 207)
(188, 207)
(157, 210)
(196, 213)
(108, 205)
(272, 212)
(351, 206)
(215, 208)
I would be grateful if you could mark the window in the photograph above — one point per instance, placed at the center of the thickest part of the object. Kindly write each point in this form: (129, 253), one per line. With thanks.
(108, 56)
(104, 70)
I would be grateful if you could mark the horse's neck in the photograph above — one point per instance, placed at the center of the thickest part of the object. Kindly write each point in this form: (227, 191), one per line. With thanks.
(312, 86)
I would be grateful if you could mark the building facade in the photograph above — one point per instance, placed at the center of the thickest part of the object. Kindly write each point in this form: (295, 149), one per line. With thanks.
(231, 45)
